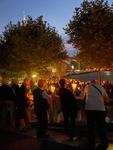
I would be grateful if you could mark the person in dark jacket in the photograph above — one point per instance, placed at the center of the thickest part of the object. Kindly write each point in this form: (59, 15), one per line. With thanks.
(68, 106)
(7, 98)
(16, 90)
(40, 107)
(22, 106)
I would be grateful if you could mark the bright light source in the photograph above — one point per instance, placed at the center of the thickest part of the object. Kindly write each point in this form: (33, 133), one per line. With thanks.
(77, 70)
(108, 73)
(52, 89)
(34, 76)
(53, 70)
(74, 85)
(72, 66)
(110, 146)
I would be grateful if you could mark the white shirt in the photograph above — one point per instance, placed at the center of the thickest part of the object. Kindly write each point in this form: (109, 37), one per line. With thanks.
(94, 99)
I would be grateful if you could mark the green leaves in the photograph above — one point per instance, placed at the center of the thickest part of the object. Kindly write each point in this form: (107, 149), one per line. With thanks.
(30, 45)
(91, 32)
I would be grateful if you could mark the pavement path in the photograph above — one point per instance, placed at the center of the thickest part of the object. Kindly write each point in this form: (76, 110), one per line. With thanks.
(57, 140)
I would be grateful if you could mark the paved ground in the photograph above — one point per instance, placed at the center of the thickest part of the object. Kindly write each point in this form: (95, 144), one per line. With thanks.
(57, 140)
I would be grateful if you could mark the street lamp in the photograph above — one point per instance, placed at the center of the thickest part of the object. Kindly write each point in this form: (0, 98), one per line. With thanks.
(34, 75)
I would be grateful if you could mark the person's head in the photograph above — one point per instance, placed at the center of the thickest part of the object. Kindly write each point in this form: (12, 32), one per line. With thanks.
(5, 81)
(41, 83)
(15, 81)
(27, 82)
(62, 82)
(93, 81)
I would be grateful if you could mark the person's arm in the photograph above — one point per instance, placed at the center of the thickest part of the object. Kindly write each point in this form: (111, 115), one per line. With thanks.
(84, 93)
(105, 96)
(46, 96)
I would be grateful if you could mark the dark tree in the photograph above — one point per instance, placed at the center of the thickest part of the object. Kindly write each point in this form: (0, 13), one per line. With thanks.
(29, 45)
(91, 32)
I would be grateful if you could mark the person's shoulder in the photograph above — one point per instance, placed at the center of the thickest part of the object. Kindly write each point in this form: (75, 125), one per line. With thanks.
(100, 86)
(66, 89)
(103, 89)
(36, 90)
(88, 86)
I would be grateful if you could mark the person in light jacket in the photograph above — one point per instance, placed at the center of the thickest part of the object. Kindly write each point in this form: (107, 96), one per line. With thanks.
(95, 98)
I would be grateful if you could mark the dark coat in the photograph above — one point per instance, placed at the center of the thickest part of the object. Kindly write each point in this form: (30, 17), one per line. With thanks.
(40, 103)
(22, 103)
(68, 101)
(6, 93)
(16, 90)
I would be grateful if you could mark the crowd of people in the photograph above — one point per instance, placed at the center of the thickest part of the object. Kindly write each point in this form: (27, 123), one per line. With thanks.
(55, 102)
(13, 103)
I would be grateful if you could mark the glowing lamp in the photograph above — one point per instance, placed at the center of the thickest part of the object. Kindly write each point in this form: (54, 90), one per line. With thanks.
(34, 76)
(52, 88)
(74, 85)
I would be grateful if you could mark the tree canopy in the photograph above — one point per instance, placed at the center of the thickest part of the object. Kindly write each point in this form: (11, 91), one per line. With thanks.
(91, 32)
(29, 45)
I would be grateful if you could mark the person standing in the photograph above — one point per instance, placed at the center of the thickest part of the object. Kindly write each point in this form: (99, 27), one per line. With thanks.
(40, 108)
(68, 107)
(16, 91)
(95, 97)
(22, 106)
(8, 101)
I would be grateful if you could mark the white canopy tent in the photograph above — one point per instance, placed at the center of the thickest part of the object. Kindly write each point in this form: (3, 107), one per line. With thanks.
(104, 76)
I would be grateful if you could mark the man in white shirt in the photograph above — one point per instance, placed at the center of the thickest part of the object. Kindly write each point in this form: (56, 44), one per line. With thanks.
(95, 97)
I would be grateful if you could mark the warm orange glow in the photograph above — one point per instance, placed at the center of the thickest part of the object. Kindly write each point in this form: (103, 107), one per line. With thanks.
(52, 88)
(30, 96)
(74, 85)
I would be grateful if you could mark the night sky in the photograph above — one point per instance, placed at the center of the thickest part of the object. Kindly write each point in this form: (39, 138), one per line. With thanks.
(56, 12)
